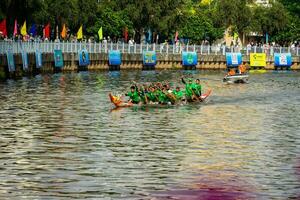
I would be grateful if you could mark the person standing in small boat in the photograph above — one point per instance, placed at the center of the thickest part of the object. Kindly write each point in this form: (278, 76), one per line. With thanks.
(231, 72)
(242, 69)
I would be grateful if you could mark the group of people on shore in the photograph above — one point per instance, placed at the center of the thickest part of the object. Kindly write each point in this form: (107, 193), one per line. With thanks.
(162, 93)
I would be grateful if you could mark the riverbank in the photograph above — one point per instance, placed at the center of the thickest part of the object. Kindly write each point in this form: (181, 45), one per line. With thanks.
(99, 61)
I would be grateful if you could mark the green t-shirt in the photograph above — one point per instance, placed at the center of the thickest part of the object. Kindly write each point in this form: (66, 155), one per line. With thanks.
(162, 97)
(196, 88)
(151, 96)
(134, 96)
(188, 90)
(178, 94)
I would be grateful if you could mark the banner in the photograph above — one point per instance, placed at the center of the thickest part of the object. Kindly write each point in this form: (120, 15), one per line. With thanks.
(189, 58)
(233, 59)
(23, 29)
(3, 27)
(100, 33)
(149, 58)
(114, 57)
(24, 60)
(64, 32)
(282, 59)
(38, 59)
(58, 58)
(79, 33)
(15, 28)
(46, 31)
(83, 57)
(258, 60)
(10, 61)
(33, 30)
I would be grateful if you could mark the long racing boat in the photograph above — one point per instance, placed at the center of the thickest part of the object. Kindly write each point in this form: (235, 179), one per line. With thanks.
(118, 102)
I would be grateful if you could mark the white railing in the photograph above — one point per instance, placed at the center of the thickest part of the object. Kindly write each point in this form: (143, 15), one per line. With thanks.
(48, 47)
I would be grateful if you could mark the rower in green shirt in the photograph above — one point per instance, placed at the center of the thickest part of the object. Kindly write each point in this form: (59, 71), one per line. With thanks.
(134, 95)
(162, 97)
(178, 94)
(151, 96)
(197, 88)
(188, 89)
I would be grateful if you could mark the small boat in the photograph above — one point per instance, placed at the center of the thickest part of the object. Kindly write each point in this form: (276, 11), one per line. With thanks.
(118, 102)
(238, 78)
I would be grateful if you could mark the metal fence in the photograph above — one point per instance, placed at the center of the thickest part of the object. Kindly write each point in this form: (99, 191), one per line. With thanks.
(72, 47)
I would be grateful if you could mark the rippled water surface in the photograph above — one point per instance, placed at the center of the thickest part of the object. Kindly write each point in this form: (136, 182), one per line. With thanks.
(60, 138)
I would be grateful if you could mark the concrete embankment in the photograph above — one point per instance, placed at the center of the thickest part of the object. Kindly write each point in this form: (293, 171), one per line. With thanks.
(129, 61)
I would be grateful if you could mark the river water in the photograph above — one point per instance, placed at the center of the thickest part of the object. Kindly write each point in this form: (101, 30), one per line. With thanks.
(60, 138)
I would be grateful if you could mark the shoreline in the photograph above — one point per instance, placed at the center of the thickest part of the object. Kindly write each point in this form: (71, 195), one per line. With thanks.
(100, 62)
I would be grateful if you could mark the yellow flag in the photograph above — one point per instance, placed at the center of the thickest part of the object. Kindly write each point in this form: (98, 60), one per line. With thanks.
(235, 35)
(64, 32)
(23, 29)
(79, 33)
(100, 33)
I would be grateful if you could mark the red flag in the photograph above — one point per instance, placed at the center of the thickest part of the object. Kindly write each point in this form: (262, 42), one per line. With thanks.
(3, 27)
(15, 28)
(46, 31)
(126, 34)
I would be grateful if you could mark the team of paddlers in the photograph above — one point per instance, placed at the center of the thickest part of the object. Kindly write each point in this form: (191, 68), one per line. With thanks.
(162, 93)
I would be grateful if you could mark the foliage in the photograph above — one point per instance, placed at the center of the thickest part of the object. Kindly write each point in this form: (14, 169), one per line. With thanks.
(193, 19)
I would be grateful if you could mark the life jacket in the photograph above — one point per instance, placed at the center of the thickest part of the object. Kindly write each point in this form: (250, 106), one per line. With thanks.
(231, 72)
(242, 69)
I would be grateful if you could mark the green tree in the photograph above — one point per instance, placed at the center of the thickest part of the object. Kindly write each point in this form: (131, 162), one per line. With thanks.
(270, 20)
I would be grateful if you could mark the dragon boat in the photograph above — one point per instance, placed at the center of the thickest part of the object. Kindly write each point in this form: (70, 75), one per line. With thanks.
(118, 102)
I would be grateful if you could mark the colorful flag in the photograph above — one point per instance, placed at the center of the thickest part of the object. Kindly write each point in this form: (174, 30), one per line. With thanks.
(235, 35)
(149, 35)
(176, 36)
(100, 33)
(46, 31)
(23, 29)
(15, 28)
(3, 27)
(33, 30)
(79, 33)
(126, 34)
(64, 32)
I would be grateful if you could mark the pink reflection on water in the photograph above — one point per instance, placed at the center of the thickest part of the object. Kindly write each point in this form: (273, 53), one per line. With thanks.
(211, 191)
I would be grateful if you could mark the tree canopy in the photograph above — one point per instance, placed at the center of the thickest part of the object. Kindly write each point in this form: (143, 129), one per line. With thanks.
(196, 20)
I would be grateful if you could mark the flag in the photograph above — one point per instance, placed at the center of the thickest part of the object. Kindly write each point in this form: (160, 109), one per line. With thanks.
(100, 33)
(79, 33)
(46, 31)
(33, 30)
(176, 36)
(267, 38)
(15, 28)
(23, 29)
(64, 32)
(3, 27)
(235, 35)
(149, 35)
(126, 34)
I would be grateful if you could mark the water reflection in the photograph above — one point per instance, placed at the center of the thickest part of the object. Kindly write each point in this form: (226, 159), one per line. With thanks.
(60, 138)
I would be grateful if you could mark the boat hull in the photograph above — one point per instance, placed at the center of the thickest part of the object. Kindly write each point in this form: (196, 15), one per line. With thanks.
(236, 78)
